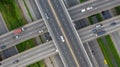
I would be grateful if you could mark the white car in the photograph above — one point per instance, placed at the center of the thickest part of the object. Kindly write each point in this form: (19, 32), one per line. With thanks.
(40, 31)
(46, 15)
(56, 50)
(62, 38)
(17, 36)
(98, 26)
(83, 10)
(89, 8)
(23, 29)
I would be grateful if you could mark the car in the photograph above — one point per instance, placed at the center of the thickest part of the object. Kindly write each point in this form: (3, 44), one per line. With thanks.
(46, 15)
(3, 46)
(16, 36)
(56, 50)
(62, 38)
(99, 25)
(40, 31)
(112, 24)
(16, 61)
(101, 33)
(19, 30)
(89, 8)
(94, 30)
(83, 10)
(22, 28)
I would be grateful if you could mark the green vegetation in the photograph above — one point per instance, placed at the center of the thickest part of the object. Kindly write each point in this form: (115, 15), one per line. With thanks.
(28, 10)
(98, 16)
(38, 64)
(14, 18)
(81, 1)
(117, 10)
(12, 14)
(25, 45)
(109, 51)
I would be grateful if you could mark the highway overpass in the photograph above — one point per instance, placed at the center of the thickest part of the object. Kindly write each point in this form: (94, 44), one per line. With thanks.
(98, 6)
(83, 32)
(31, 31)
(9, 40)
(86, 34)
(30, 56)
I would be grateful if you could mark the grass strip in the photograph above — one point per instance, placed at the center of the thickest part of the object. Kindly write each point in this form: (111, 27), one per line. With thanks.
(25, 45)
(81, 1)
(113, 50)
(14, 18)
(98, 16)
(108, 50)
(28, 11)
(37, 64)
(117, 10)
(12, 14)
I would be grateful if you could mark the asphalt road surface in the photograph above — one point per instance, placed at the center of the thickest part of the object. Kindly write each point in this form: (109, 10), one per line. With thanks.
(11, 51)
(44, 27)
(97, 5)
(55, 31)
(32, 55)
(31, 31)
(86, 34)
(70, 35)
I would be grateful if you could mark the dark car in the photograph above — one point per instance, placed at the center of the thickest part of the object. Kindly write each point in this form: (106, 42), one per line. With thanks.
(94, 31)
(2, 47)
(112, 24)
(16, 61)
(101, 32)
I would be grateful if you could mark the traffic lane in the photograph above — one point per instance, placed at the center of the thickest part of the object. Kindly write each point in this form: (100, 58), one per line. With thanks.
(64, 50)
(108, 29)
(78, 8)
(27, 54)
(2, 26)
(96, 9)
(35, 9)
(97, 53)
(89, 52)
(36, 58)
(78, 13)
(27, 35)
(8, 36)
(28, 29)
(57, 60)
(69, 32)
(105, 24)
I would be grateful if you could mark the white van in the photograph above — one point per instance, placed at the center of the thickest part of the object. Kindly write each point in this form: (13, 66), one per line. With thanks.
(62, 38)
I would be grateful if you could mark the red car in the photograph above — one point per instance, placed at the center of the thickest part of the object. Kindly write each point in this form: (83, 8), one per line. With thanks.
(19, 30)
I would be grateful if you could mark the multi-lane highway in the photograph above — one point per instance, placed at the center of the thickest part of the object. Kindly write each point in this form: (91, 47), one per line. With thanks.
(55, 33)
(8, 38)
(31, 30)
(87, 34)
(97, 6)
(59, 24)
(33, 55)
